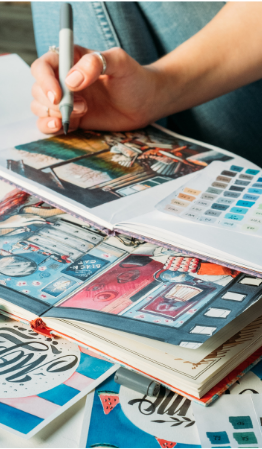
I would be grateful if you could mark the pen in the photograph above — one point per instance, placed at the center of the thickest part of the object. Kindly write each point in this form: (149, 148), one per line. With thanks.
(66, 59)
(137, 382)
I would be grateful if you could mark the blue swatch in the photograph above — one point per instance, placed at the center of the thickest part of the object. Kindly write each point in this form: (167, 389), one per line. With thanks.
(247, 196)
(59, 395)
(218, 437)
(219, 206)
(250, 171)
(239, 210)
(245, 203)
(257, 184)
(236, 168)
(259, 180)
(231, 194)
(234, 217)
(257, 191)
(17, 419)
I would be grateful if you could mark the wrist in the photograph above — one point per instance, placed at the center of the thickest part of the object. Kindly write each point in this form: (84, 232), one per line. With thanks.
(168, 87)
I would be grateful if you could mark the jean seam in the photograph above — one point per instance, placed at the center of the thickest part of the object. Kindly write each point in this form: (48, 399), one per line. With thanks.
(106, 25)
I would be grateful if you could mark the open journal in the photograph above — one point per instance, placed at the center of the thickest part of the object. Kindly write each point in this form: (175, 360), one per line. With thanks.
(70, 278)
(118, 181)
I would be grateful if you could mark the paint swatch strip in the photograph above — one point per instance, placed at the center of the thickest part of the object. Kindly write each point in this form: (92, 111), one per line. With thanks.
(223, 195)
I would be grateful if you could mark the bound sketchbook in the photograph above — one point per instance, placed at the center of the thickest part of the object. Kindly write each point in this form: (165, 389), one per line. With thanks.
(91, 279)
(147, 307)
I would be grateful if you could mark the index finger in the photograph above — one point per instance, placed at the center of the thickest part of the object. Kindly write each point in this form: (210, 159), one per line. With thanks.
(44, 71)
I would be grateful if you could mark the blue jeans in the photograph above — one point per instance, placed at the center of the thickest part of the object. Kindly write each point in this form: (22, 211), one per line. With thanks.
(147, 31)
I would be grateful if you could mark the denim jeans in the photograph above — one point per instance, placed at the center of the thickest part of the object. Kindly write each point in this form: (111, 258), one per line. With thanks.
(147, 31)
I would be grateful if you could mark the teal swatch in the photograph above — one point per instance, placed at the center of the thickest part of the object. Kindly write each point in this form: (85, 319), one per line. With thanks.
(241, 422)
(245, 437)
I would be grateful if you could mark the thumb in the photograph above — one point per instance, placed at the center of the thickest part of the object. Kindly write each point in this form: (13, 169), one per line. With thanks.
(90, 66)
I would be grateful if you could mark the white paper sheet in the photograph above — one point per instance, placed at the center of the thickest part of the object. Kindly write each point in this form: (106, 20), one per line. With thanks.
(232, 421)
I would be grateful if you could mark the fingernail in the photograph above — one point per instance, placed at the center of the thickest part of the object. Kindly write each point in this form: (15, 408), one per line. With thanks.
(79, 107)
(74, 79)
(51, 97)
(51, 124)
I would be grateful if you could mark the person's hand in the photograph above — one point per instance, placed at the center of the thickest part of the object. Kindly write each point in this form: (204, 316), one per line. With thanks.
(124, 98)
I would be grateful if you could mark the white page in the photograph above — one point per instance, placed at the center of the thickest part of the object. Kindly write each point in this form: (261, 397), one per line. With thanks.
(195, 238)
(16, 83)
(257, 402)
(230, 421)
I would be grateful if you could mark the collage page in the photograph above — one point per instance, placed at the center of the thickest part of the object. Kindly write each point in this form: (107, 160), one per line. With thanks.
(50, 259)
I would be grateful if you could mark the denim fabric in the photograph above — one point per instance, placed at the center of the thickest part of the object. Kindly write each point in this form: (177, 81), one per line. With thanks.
(148, 30)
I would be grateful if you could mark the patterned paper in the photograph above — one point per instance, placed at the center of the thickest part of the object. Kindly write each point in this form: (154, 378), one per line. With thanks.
(42, 377)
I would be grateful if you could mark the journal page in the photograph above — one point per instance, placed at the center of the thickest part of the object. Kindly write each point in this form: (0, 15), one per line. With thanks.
(103, 177)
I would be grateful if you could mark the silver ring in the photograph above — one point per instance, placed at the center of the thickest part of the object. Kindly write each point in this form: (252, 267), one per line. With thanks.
(54, 49)
(103, 60)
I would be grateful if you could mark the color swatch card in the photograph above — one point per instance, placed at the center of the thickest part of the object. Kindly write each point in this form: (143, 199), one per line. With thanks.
(232, 421)
(224, 195)
(41, 377)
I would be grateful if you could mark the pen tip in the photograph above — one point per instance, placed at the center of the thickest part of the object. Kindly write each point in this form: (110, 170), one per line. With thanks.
(65, 127)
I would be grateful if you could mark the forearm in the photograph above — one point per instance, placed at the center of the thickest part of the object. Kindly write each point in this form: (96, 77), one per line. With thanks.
(225, 55)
